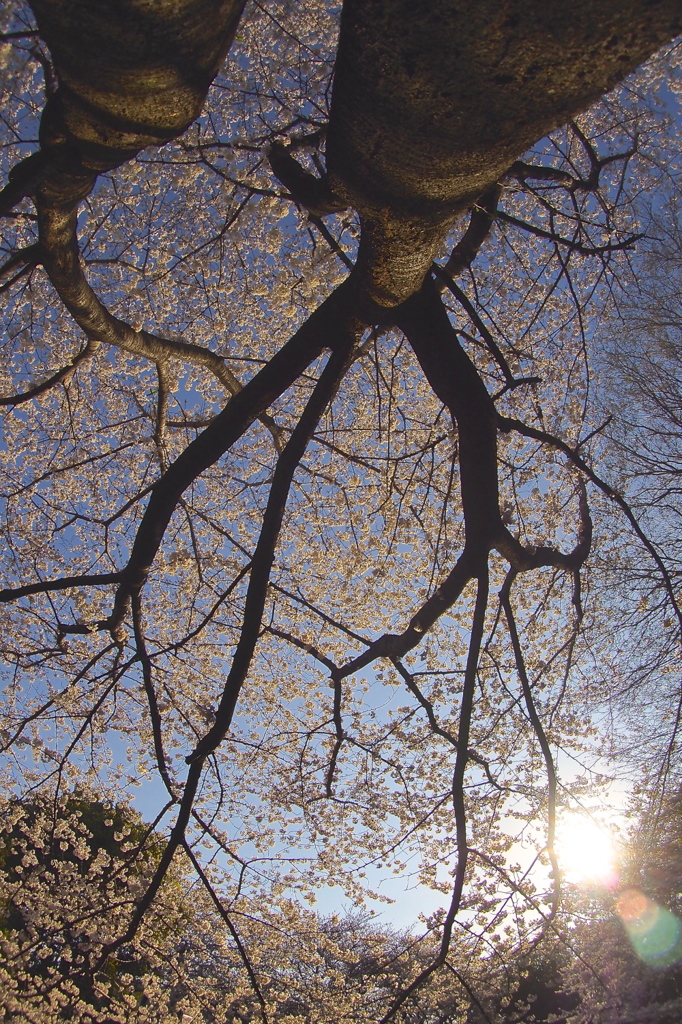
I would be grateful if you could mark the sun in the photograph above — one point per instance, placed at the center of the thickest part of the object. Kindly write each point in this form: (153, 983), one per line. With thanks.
(586, 851)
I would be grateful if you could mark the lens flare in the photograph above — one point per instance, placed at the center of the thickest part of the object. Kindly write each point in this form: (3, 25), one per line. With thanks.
(654, 932)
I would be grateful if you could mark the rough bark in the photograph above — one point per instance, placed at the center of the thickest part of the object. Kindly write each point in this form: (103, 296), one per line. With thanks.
(132, 73)
(433, 102)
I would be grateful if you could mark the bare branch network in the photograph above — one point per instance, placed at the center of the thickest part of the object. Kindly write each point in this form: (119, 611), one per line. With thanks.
(320, 526)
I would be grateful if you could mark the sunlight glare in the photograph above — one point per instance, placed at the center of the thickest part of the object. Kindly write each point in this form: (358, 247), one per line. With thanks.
(586, 851)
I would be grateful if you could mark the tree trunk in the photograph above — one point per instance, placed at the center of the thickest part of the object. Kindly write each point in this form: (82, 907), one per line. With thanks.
(432, 102)
(131, 74)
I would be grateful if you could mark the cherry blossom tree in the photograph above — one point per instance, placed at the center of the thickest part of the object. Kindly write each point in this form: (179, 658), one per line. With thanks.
(307, 517)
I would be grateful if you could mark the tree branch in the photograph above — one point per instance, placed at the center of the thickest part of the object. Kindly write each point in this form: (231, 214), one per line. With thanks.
(61, 260)
(505, 600)
(312, 193)
(458, 797)
(231, 928)
(60, 377)
(65, 583)
(328, 326)
(568, 243)
(152, 703)
(507, 423)
(480, 223)
(263, 556)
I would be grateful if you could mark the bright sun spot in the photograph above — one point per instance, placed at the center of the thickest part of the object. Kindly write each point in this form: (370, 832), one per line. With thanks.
(586, 851)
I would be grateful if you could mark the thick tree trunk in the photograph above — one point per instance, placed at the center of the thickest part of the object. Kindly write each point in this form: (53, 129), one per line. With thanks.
(431, 104)
(132, 73)
(433, 101)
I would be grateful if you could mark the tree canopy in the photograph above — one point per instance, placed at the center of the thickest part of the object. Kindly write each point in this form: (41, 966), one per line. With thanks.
(338, 504)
